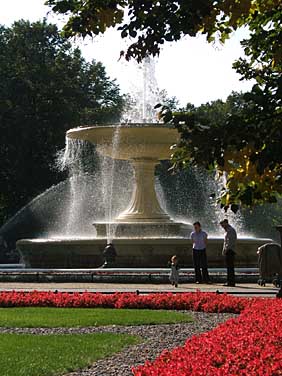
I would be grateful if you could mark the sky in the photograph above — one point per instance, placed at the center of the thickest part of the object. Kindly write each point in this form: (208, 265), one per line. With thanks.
(191, 70)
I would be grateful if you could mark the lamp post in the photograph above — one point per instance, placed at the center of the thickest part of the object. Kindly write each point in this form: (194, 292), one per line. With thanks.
(279, 228)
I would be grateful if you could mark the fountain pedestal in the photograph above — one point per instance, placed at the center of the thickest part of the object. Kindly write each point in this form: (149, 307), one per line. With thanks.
(144, 205)
(144, 217)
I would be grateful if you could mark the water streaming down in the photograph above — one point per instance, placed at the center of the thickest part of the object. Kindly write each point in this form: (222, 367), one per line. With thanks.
(192, 195)
(99, 188)
(236, 219)
(72, 159)
(109, 184)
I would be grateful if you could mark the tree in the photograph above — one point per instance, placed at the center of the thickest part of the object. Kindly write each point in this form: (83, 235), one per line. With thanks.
(148, 24)
(246, 146)
(233, 138)
(46, 87)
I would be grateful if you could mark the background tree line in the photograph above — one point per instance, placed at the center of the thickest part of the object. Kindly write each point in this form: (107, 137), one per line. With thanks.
(46, 87)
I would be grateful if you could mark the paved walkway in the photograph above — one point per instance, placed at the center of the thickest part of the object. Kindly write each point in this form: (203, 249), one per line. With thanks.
(247, 289)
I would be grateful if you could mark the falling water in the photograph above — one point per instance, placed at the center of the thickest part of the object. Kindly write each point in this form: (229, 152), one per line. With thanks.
(97, 190)
(234, 219)
(192, 195)
(72, 159)
(108, 169)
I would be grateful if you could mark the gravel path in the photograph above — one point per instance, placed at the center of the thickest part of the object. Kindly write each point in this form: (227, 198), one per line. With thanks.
(156, 338)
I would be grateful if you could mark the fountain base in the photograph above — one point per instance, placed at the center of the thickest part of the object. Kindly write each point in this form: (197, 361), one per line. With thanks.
(143, 229)
(132, 253)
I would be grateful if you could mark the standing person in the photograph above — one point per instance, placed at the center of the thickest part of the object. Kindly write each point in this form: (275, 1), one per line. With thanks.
(3, 250)
(199, 240)
(228, 251)
(174, 271)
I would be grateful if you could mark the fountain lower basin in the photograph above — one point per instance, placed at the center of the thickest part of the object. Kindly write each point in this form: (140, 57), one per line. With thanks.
(134, 252)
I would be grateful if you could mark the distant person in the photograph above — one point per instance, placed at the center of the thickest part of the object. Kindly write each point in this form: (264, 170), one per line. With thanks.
(3, 250)
(199, 241)
(3, 243)
(228, 251)
(174, 270)
(109, 255)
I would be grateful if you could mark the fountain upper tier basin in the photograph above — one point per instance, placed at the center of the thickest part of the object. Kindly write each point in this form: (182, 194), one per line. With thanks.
(134, 141)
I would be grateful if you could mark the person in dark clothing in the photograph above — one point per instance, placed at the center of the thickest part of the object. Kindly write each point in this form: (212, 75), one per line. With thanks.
(4, 251)
(199, 240)
(228, 251)
(109, 255)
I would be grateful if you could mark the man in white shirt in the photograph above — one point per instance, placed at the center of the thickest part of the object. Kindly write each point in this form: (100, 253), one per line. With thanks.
(199, 240)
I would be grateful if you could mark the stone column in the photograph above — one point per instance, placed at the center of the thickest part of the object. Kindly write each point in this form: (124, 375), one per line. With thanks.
(144, 206)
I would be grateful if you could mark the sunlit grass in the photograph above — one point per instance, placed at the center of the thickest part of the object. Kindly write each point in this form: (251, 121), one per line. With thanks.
(82, 317)
(40, 355)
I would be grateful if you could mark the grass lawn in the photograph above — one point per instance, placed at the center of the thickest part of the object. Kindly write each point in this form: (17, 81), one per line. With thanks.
(82, 317)
(38, 355)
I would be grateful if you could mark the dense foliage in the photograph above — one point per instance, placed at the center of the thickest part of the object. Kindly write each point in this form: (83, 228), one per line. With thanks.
(46, 87)
(241, 139)
(219, 135)
(245, 144)
(148, 24)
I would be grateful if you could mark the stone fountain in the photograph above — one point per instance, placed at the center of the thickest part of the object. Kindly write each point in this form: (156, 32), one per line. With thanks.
(144, 145)
(144, 234)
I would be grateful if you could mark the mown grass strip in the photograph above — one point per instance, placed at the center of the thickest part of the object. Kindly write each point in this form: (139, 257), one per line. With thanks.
(35, 317)
(34, 355)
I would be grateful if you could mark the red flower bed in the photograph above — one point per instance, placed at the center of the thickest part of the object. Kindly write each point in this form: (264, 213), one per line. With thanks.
(197, 301)
(249, 345)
